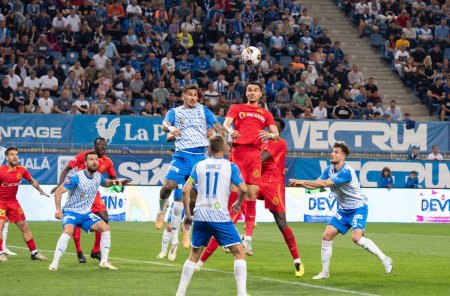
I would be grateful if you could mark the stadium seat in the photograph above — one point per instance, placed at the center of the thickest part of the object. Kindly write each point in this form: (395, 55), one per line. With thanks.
(165, 45)
(57, 55)
(262, 48)
(71, 57)
(447, 53)
(291, 49)
(8, 110)
(285, 61)
(139, 104)
(383, 29)
(376, 40)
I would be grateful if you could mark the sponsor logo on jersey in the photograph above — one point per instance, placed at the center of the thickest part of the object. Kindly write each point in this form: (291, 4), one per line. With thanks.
(243, 115)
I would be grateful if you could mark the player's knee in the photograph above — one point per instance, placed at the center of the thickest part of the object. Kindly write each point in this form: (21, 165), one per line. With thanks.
(327, 236)
(22, 225)
(166, 190)
(239, 252)
(356, 237)
(106, 219)
(177, 208)
(104, 228)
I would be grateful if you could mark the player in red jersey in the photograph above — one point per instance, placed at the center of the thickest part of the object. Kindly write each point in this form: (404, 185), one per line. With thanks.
(249, 121)
(105, 165)
(10, 176)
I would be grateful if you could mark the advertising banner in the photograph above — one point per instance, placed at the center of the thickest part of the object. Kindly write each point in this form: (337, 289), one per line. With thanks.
(433, 206)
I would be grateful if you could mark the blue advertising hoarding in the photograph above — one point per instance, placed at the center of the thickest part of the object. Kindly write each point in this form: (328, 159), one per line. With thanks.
(145, 133)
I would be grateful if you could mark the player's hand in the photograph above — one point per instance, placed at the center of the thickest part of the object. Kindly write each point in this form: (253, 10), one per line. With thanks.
(54, 189)
(234, 134)
(264, 136)
(58, 215)
(41, 192)
(226, 147)
(236, 207)
(296, 183)
(125, 182)
(285, 171)
(187, 222)
(176, 132)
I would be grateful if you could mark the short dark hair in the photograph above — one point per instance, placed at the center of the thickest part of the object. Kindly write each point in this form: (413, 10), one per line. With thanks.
(281, 122)
(216, 143)
(254, 83)
(190, 87)
(89, 153)
(99, 139)
(11, 149)
(343, 148)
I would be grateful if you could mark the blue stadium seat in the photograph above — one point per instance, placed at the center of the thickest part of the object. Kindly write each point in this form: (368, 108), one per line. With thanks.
(291, 49)
(447, 53)
(262, 47)
(376, 40)
(165, 45)
(71, 57)
(139, 104)
(57, 55)
(285, 61)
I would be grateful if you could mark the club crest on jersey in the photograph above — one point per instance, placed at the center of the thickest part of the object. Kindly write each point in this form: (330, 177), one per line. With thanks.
(82, 195)
(19, 176)
(20, 211)
(275, 200)
(102, 168)
(182, 121)
(255, 174)
(2, 213)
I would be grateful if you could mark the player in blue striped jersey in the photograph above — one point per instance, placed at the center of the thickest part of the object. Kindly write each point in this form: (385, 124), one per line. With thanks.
(352, 208)
(6, 226)
(82, 187)
(214, 177)
(188, 124)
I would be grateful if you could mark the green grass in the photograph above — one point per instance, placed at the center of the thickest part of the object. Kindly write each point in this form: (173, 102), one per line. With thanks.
(420, 254)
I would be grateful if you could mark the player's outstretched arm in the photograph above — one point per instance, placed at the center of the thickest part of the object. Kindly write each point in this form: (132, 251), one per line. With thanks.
(271, 135)
(219, 129)
(236, 207)
(310, 184)
(62, 177)
(58, 196)
(114, 182)
(186, 198)
(168, 128)
(35, 184)
(227, 127)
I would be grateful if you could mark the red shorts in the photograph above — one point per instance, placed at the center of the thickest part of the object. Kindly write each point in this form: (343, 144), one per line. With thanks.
(248, 160)
(273, 196)
(236, 215)
(98, 205)
(12, 210)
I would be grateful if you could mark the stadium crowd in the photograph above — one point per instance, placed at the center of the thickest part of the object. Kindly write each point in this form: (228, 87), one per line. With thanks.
(414, 36)
(133, 58)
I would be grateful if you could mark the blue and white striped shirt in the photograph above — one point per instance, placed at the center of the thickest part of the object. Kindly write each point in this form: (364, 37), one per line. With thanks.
(82, 191)
(193, 124)
(2, 154)
(346, 188)
(213, 177)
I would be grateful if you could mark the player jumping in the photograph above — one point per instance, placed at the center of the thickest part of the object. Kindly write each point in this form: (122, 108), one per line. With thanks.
(105, 164)
(83, 186)
(214, 177)
(352, 211)
(250, 120)
(10, 176)
(189, 124)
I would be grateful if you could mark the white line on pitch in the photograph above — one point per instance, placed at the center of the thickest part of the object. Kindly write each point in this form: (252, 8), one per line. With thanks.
(266, 279)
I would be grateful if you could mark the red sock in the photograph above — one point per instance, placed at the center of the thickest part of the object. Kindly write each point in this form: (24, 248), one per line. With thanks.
(250, 216)
(31, 245)
(289, 238)
(98, 237)
(210, 248)
(77, 238)
(1, 245)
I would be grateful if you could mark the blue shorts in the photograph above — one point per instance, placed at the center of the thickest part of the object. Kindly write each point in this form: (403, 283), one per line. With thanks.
(84, 221)
(182, 163)
(354, 218)
(225, 233)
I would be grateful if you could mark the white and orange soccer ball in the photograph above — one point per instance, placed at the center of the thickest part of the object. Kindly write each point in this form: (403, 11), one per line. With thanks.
(251, 56)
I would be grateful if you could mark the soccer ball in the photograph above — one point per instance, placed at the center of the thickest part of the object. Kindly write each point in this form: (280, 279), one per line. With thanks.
(251, 56)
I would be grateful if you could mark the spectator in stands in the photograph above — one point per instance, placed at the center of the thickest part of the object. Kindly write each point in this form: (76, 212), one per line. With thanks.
(368, 113)
(45, 102)
(435, 155)
(386, 180)
(401, 57)
(307, 114)
(355, 76)
(437, 57)
(320, 112)
(108, 110)
(161, 93)
(412, 181)
(273, 86)
(284, 97)
(305, 18)
(63, 104)
(331, 98)
(402, 41)
(441, 34)
(278, 109)
(425, 35)
(127, 109)
(217, 64)
(393, 111)
(445, 108)
(82, 104)
(20, 96)
(300, 101)
(93, 109)
(222, 107)
(341, 111)
(367, 21)
(414, 154)
(410, 71)
(13, 79)
(50, 83)
(277, 44)
(436, 95)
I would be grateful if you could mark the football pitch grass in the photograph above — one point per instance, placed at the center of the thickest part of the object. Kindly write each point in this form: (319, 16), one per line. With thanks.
(420, 252)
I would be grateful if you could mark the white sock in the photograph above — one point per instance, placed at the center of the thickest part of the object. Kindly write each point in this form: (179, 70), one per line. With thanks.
(240, 274)
(5, 235)
(162, 205)
(370, 246)
(105, 245)
(165, 240)
(186, 276)
(297, 260)
(200, 263)
(247, 238)
(327, 251)
(61, 247)
(176, 221)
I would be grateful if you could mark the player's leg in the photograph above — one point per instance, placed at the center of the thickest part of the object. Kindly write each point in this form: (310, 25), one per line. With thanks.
(164, 194)
(94, 223)
(175, 223)
(250, 217)
(359, 225)
(77, 241)
(61, 245)
(2, 224)
(201, 234)
(4, 236)
(327, 249)
(28, 238)
(167, 235)
(99, 209)
(186, 240)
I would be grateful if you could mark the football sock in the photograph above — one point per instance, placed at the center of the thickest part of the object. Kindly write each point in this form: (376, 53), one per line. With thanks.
(4, 236)
(210, 248)
(176, 221)
(370, 246)
(162, 205)
(105, 245)
(289, 238)
(327, 251)
(186, 276)
(250, 216)
(61, 247)
(31, 246)
(76, 238)
(97, 243)
(240, 274)
(165, 240)
(1, 246)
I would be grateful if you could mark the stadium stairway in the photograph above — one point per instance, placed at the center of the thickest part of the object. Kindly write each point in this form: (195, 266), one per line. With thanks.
(367, 58)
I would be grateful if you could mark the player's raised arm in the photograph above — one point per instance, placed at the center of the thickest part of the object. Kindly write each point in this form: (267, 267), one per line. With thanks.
(167, 125)
(62, 177)
(227, 127)
(35, 184)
